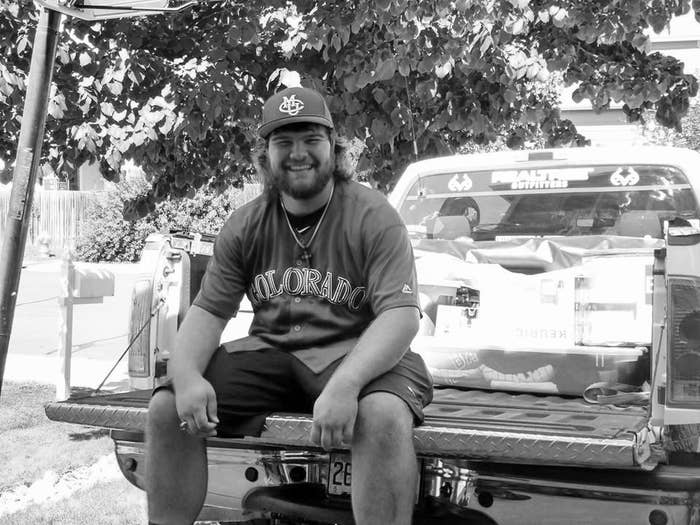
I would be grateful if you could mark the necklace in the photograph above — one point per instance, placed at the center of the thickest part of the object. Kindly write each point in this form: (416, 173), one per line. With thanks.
(305, 254)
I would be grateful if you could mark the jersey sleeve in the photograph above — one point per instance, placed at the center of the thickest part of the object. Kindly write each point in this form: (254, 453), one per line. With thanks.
(223, 284)
(390, 270)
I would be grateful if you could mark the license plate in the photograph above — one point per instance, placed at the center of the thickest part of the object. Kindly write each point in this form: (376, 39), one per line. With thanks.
(339, 475)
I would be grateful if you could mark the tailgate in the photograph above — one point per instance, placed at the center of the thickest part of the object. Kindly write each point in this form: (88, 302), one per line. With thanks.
(475, 424)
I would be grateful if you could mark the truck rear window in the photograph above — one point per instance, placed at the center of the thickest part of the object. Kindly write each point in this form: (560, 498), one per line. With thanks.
(624, 200)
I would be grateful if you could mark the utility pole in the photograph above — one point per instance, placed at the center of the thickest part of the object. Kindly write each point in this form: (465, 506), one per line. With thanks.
(24, 177)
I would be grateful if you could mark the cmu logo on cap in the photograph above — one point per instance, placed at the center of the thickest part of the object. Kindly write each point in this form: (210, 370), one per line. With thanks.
(291, 105)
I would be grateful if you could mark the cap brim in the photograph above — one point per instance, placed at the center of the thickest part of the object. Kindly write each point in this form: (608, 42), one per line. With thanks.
(268, 128)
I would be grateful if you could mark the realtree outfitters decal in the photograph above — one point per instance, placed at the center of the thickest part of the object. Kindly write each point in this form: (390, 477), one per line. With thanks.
(540, 179)
(307, 281)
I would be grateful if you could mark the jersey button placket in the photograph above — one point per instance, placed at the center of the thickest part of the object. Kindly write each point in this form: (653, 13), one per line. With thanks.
(297, 328)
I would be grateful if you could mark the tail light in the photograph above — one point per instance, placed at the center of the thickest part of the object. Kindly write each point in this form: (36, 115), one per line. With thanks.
(683, 365)
(140, 329)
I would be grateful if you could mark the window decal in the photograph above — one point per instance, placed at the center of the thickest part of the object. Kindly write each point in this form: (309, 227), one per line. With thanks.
(539, 179)
(624, 177)
(460, 182)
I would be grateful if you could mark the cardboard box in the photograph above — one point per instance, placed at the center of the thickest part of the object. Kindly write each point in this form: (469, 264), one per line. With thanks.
(614, 296)
(515, 311)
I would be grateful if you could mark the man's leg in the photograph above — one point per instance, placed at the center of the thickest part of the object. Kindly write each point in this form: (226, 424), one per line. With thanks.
(384, 467)
(248, 385)
(176, 465)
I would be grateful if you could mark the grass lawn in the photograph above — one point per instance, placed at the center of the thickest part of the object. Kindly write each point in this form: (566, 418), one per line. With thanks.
(35, 449)
(32, 444)
(115, 503)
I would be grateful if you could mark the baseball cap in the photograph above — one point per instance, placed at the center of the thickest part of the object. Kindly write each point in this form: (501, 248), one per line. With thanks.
(292, 105)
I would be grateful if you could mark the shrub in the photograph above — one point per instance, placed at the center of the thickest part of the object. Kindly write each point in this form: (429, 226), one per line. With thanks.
(688, 137)
(206, 212)
(108, 237)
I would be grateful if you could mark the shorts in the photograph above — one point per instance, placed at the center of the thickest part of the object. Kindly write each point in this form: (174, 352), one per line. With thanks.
(251, 385)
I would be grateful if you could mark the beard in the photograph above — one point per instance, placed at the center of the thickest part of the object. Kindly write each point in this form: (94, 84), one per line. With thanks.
(280, 180)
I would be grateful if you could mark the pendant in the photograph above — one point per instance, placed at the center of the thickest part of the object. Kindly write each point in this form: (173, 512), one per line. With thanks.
(306, 257)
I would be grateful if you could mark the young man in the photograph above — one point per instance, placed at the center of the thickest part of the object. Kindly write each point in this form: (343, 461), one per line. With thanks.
(328, 267)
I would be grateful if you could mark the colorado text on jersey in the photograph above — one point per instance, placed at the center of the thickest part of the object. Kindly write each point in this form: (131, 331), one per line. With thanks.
(307, 281)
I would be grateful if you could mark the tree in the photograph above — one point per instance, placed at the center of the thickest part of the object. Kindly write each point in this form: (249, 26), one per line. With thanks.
(181, 94)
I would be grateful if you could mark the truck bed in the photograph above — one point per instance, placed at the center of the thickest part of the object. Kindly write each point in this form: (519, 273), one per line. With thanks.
(469, 424)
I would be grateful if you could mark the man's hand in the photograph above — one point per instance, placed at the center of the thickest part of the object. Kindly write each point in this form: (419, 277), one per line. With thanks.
(195, 401)
(335, 412)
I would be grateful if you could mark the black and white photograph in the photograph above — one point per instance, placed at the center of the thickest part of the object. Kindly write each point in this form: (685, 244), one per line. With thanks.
(391, 262)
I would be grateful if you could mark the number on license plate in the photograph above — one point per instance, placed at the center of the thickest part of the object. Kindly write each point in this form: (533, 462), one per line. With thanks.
(339, 475)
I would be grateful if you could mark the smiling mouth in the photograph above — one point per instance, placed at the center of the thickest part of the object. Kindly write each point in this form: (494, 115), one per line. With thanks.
(303, 167)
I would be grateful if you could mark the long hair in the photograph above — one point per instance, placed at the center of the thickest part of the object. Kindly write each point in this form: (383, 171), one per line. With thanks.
(342, 171)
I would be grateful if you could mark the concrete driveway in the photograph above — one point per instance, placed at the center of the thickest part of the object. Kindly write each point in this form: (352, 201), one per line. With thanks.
(99, 330)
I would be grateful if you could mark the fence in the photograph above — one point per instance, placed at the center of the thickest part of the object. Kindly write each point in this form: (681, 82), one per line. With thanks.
(56, 214)
(60, 214)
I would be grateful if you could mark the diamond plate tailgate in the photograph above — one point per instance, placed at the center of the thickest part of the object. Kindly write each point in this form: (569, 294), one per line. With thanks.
(475, 424)
(126, 411)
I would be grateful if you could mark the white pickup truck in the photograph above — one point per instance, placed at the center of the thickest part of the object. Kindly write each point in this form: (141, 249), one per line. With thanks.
(561, 299)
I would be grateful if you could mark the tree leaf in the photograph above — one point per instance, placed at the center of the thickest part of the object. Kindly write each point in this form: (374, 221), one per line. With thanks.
(167, 124)
(379, 95)
(350, 83)
(22, 44)
(55, 110)
(138, 138)
(443, 70)
(381, 131)
(486, 44)
(115, 88)
(118, 116)
(107, 108)
(84, 59)
(385, 70)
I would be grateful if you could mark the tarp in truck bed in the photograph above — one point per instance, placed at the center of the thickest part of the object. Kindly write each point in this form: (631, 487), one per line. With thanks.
(470, 424)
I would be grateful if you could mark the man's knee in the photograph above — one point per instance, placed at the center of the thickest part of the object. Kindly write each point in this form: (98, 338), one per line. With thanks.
(162, 414)
(383, 417)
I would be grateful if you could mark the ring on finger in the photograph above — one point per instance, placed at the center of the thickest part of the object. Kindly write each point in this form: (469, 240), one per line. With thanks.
(184, 426)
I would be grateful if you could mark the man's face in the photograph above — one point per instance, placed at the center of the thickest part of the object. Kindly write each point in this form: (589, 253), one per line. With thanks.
(301, 159)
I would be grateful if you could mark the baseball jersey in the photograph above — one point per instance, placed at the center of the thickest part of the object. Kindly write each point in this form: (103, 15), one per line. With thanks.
(361, 265)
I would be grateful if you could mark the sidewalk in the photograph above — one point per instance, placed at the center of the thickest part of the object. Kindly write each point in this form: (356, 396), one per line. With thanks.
(53, 265)
(85, 372)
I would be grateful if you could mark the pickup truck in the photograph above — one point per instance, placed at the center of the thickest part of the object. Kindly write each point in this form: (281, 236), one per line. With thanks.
(561, 323)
